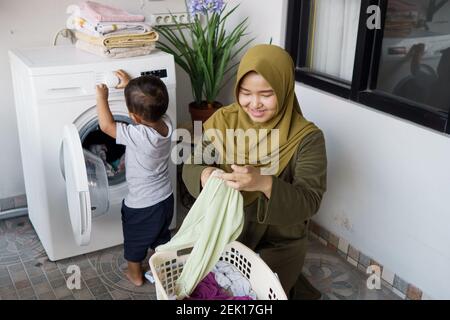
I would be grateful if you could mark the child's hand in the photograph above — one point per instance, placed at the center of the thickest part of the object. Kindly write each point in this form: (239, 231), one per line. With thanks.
(124, 79)
(102, 92)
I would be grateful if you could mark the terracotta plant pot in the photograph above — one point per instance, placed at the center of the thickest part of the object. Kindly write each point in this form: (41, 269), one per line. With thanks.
(203, 111)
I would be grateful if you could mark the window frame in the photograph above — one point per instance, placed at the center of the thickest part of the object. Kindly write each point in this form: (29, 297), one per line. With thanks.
(362, 88)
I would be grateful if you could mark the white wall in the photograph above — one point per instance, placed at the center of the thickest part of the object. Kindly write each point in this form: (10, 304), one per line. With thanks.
(25, 23)
(388, 188)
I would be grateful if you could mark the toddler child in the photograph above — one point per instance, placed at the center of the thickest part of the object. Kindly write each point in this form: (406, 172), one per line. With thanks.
(147, 209)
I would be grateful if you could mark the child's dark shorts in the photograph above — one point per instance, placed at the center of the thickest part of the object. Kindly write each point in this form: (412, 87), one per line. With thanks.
(145, 228)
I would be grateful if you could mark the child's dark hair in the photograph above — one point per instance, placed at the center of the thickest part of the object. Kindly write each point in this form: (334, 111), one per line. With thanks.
(147, 97)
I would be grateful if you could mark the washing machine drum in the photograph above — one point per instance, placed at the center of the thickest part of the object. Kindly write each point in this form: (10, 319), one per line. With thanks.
(86, 185)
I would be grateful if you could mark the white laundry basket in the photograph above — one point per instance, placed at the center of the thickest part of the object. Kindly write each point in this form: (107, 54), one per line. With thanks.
(167, 267)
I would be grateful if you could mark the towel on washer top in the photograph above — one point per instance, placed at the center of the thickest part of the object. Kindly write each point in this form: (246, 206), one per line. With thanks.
(215, 219)
(115, 53)
(120, 41)
(98, 12)
(106, 28)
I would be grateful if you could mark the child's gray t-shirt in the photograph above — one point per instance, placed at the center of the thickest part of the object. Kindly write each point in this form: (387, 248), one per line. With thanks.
(147, 156)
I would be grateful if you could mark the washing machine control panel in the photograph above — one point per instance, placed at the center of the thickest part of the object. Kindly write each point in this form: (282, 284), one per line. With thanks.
(111, 80)
(162, 73)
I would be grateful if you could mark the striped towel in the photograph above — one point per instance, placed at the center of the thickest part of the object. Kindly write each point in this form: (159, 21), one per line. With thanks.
(115, 53)
(120, 41)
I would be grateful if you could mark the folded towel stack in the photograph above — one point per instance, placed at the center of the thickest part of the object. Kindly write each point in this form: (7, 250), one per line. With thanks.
(110, 32)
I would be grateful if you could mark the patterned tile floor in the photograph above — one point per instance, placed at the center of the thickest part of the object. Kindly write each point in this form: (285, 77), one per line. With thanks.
(27, 273)
(336, 278)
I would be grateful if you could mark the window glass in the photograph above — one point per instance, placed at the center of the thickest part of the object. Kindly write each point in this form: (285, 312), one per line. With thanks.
(333, 36)
(415, 61)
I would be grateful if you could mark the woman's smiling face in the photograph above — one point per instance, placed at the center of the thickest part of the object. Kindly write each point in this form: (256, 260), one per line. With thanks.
(257, 98)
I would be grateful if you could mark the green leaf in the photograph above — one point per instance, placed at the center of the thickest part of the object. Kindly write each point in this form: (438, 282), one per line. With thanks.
(208, 54)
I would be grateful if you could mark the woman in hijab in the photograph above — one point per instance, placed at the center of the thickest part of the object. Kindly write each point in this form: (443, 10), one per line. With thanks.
(278, 206)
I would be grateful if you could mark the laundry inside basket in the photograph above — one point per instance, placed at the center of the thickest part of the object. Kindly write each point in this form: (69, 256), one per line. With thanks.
(225, 282)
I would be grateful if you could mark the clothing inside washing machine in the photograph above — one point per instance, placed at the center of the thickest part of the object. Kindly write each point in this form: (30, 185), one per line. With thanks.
(112, 154)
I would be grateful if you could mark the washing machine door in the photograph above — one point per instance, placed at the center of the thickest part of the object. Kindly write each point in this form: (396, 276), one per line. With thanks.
(86, 185)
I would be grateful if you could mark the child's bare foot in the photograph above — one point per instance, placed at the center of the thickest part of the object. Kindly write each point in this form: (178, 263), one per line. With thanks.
(134, 273)
(137, 281)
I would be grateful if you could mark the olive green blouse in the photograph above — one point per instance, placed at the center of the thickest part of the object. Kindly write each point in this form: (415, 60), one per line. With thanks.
(276, 228)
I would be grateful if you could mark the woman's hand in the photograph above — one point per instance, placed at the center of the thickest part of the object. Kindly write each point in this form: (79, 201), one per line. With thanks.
(206, 173)
(124, 79)
(248, 178)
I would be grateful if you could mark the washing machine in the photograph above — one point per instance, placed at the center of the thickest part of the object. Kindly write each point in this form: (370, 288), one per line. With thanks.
(73, 204)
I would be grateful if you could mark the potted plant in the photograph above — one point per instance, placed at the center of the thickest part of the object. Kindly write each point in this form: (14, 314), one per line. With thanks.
(204, 49)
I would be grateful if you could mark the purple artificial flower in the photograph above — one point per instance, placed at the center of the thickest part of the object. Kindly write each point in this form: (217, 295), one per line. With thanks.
(214, 5)
(205, 6)
(196, 7)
